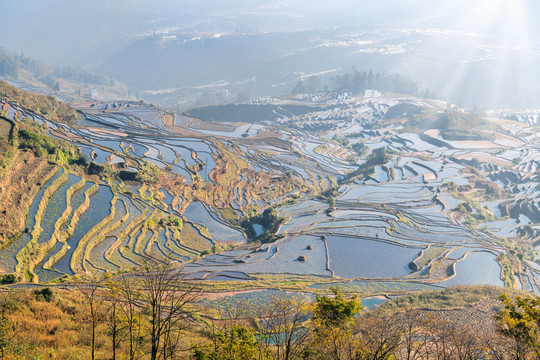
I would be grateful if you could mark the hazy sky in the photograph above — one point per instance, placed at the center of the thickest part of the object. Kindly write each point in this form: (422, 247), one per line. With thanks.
(502, 35)
(65, 31)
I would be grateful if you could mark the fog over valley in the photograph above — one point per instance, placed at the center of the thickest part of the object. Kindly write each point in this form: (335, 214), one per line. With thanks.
(481, 54)
(203, 179)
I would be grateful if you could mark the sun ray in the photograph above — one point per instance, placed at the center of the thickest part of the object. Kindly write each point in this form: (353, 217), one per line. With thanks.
(490, 52)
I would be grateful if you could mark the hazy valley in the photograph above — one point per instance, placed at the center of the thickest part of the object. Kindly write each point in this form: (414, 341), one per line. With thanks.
(212, 183)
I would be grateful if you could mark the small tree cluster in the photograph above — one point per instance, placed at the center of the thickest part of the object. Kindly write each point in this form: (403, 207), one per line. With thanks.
(269, 220)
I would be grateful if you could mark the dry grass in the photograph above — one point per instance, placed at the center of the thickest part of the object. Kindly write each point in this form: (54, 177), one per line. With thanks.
(5, 128)
(59, 328)
(450, 298)
(41, 327)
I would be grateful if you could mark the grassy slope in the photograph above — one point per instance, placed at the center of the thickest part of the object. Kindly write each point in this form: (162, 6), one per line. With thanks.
(60, 328)
(21, 175)
(47, 106)
(451, 298)
(29, 157)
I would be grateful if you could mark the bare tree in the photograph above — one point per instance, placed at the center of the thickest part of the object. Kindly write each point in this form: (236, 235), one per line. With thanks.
(92, 290)
(114, 325)
(449, 341)
(231, 311)
(498, 347)
(378, 337)
(466, 344)
(168, 299)
(415, 336)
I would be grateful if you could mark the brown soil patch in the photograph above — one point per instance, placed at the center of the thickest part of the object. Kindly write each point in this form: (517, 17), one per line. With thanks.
(477, 318)
(507, 140)
(508, 122)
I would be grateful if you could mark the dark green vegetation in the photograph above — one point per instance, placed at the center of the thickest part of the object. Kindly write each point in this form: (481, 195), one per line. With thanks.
(360, 149)
(149, 178)
(117, 213)
(270, 222)
(151, 193)
(376, 157)
(142, 172)
(463, 322)
(28, 135)
(30, 158)
(43, 146)
(147, 173)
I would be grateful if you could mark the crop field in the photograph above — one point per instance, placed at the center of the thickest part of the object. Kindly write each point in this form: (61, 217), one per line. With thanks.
(434, 211)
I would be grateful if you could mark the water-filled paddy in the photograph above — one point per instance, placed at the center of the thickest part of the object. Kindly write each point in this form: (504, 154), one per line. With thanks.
(255, 297)
(502, 227)
(76, 200)
(99, 208)
(478, 268)
(97, 255)
(55, 207)
(373, 234)
(373, 302)
(132, 210)
(197, 213)
(45, 275)
(302, 222)
(281, 258)
(309, 205)
(112, 144)
(356, 258)
(460, 252)
(101, 155)
(8, 253)
(371, 286)
(386, 193)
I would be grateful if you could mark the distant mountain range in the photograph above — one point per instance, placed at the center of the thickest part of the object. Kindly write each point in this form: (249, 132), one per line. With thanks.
(461, 67)
(181, 54)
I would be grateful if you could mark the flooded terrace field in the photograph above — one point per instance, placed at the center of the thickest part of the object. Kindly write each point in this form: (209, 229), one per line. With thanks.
(432, 213)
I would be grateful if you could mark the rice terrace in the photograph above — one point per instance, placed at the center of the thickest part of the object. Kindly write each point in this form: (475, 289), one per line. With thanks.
(257, 180)
(379, 184)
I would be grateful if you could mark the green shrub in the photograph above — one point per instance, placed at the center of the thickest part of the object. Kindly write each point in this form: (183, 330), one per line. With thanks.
(270, 221)
(8, 279)
(47, 293)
